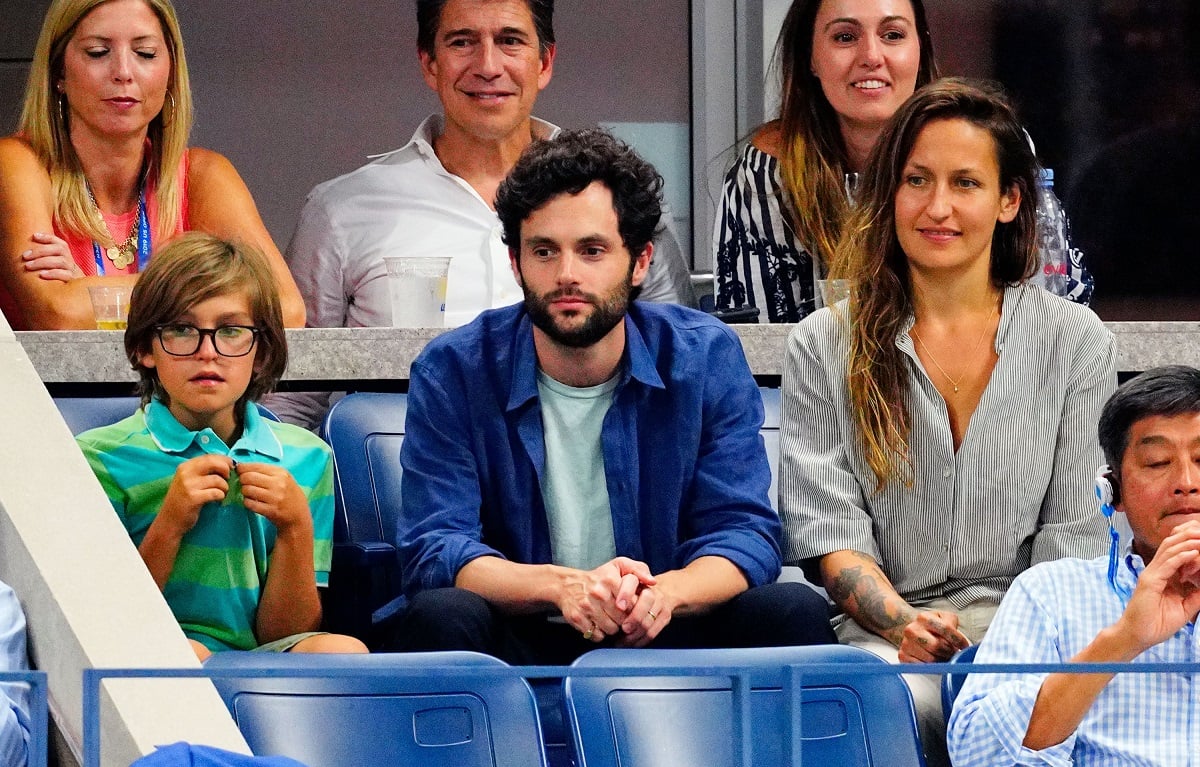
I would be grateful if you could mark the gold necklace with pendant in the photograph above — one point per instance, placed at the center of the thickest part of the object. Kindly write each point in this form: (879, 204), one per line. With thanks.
(971, 357)
(124, 254)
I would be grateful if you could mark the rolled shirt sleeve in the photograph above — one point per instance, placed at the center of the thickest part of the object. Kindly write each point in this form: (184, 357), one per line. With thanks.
(728, 513)
(440, 527)
(1069, 525)
(820, 498)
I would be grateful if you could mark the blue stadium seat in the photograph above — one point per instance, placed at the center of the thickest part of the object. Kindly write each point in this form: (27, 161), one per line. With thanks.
(83, 413)
(952, 683)
(365, 430)
(398, 715)
(664, 721)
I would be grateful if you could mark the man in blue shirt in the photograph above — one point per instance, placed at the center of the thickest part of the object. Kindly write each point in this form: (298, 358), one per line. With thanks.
(1139, 607)
(581, 469)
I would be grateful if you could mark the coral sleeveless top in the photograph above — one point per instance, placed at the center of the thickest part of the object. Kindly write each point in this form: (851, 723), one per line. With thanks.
(120, 226)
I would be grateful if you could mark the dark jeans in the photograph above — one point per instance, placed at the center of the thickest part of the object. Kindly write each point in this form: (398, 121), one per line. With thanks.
(774, 615)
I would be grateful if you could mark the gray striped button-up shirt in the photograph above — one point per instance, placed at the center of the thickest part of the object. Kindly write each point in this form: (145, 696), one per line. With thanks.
(1019, 489)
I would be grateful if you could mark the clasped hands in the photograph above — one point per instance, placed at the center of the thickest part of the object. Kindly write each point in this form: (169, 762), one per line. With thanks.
(620, 598)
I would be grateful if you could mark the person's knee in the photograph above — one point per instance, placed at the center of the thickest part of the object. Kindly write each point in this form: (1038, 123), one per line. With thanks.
(793, 613)
(330, 643)
(446, 619)
(202, 652)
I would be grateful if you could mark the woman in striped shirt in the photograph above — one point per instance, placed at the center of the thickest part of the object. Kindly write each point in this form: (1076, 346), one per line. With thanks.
(847, 65)
(939, 430)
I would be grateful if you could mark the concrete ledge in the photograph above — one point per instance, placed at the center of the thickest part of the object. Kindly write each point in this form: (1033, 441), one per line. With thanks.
(385, 354)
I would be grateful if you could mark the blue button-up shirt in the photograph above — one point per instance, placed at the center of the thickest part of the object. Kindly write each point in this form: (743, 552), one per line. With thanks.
(684, 463)
(1049, 615)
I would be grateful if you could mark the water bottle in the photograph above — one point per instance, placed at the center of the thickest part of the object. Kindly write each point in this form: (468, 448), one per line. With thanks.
(1053, 255)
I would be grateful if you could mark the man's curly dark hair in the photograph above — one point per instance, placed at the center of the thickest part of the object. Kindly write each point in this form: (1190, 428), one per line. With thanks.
(568, 164)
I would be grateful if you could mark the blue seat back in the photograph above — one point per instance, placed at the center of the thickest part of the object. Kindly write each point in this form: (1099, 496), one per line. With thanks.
(398, 716)
(670, 720)
(84, 413)
(365, 431)
(952, 683)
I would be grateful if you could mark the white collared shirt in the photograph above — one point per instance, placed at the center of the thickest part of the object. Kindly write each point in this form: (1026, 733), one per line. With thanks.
(405, 203)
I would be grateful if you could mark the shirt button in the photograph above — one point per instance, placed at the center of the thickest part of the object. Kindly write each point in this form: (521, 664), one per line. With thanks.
(946, 473)
(204, 440)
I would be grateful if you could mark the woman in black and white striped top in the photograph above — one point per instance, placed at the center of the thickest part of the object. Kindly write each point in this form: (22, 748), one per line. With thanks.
(847, 65)
(939, 429)
(785, 200)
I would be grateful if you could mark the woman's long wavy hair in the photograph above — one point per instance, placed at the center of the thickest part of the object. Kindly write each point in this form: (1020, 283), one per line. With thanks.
(869, 255)
(44, 122)
(812, 159)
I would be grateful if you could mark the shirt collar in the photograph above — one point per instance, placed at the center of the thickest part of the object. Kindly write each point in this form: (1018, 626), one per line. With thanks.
(173, 437)
(636, 363)
(433, 125)
(1131, 568)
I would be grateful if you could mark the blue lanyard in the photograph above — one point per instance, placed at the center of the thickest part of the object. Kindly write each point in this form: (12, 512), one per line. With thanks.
(143, 239)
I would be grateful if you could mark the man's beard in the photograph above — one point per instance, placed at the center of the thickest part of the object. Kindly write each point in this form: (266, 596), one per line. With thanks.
(606, 313)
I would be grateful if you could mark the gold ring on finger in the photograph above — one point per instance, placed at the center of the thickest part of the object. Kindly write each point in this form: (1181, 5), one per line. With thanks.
(588, 634)
(653, 616)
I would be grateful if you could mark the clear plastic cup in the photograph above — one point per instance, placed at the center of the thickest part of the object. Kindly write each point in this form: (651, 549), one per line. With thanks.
(418, 289)
(110, 306)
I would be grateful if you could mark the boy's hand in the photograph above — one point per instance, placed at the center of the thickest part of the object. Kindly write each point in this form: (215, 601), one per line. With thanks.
(197, 481)
(271, 491)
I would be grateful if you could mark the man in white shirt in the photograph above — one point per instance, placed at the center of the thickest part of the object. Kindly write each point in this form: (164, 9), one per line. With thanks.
(487, 60)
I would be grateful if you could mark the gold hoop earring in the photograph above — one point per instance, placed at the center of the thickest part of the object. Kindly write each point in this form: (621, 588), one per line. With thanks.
(168, 110)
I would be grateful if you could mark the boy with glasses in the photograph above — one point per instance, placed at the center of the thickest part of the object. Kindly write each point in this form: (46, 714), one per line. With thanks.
(232, 513)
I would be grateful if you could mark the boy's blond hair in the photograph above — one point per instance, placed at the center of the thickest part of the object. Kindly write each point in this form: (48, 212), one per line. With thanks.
(193, 268)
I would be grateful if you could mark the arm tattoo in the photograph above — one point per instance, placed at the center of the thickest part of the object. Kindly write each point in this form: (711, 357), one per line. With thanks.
(860, 593)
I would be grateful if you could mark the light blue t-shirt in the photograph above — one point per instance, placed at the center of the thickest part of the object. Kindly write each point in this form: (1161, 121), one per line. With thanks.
(574, 489)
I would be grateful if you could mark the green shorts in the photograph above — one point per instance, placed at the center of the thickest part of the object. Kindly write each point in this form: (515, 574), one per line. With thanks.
(287, 643)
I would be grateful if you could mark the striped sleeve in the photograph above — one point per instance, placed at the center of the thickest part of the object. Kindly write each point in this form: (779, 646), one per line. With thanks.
(758, 261)
(821, 500)
(310, 462)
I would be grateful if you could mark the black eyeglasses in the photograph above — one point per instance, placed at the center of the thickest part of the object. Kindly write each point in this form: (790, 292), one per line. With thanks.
(180, 340)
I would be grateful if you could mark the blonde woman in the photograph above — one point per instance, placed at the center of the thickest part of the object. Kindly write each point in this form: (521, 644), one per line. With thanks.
(99, 174)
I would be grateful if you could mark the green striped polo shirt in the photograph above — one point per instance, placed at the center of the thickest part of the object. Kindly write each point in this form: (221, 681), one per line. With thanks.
(221, 567)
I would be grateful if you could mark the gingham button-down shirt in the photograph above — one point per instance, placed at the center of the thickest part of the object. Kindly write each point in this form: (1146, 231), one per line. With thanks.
(1050, 614)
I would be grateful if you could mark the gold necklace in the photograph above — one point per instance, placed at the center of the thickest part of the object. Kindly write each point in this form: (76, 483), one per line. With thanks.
(955, 383)
(124, 254)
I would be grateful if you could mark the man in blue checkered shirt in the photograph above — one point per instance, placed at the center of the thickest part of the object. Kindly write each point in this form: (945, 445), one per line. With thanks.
(1138, 605)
